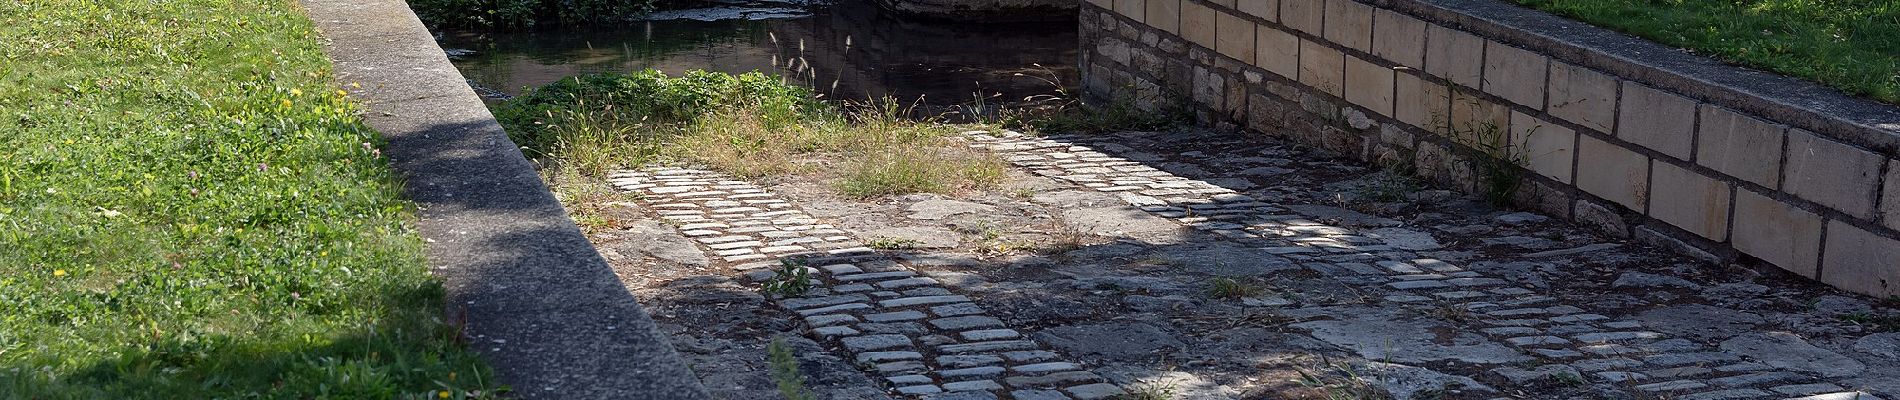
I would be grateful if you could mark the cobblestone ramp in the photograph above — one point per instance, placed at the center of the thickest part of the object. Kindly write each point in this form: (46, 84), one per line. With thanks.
(920, 337)
(1565, 338)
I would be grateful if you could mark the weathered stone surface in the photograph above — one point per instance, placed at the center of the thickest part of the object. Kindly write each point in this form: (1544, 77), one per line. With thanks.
(1583, 96)
(1612, 172)
(1423, 103)
(1263, 9)
(1657, 119)
(1455, 55)
(1369, 85)
(1163, 15)
(1198, 24)
(922, 237)
(1891, 196)
(1787, 350)
(1515, 74)
(940, 209)
(1780, 234)
(1222, 259)
(1322, 67)
(1543, 373)
(660, 241)
(1277, 52)
(1833, 174)
(1116, 341)
(1236, 36)
(1648, 280)
(1880, 345)
(1740, 146)
(1696, 203)
(1860, 261)
(1407, 382)
(1700, 322)
(1547, 148)
(1349, 23)
(1303, 16)
(1382, 335)
(1398, 38)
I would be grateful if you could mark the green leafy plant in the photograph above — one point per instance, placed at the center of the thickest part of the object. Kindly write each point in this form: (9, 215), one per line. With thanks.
(791, 279)
(894, 243)
(791, 382)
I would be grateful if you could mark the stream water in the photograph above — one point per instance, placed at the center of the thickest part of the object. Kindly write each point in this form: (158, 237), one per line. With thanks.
(852, 50)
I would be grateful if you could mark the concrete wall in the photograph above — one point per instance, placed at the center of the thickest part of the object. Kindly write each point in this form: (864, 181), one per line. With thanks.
(1637, 139)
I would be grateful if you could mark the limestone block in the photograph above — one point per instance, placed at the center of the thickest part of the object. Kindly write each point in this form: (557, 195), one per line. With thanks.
(1515, 74)
(1349, 24)
(1321, 67)
(1776, 232)
(1277, 51)
(1547, 148)
(1236, 37)
(1398, 38)
(1612, 172)
(1691, 201)
(1583, 97)
(1263, 9)
(1455, 55)
(1164, 15)
(1740, 146)
(1369, 85)
(1656, 119)
(1861, 261)
(1831, 173)
(1422, 103)
(1304, 15)
(1197, 23)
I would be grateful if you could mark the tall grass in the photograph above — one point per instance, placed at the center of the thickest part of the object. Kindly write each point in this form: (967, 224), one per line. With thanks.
(750, 125)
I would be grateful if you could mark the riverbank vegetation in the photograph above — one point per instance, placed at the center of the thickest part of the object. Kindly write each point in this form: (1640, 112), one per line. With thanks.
(531, 14)
(189, 208)
(750, 125)
(1852, 45)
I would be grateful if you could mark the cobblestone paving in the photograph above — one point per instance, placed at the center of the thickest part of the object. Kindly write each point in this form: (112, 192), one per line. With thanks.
(1565, 339)
(920, 337)
(1078, 279)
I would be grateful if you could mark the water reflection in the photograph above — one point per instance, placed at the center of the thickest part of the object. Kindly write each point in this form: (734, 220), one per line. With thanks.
(853, 50)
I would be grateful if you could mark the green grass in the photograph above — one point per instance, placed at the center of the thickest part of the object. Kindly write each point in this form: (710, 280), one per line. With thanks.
(749, 125)
(1852, 45)
(190, 209)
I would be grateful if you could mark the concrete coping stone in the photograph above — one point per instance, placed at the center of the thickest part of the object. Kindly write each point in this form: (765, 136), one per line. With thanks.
(552, 318)
(1786, 99)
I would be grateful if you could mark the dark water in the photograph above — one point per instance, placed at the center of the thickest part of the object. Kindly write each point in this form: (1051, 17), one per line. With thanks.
(851, 50)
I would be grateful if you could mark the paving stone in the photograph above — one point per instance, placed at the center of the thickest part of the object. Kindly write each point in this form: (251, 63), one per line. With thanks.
(1038, 394)
(922, 300)
(813, 302)
(1671, 386)
(1756, 379)
(1052, 380)
(1789, 351)
(876, 342)
(961, 361)
(972, 372)
(895, 316)
(979, 347)
(1551, 372)
(884, 356)
(1029, 356)
(966, 386)
(989, 334)
(1095, 391)
(953, 310)
(919, 389)
(1806, 389)
(908, 380)
(900, 367)
(831, 331)
(966, 322)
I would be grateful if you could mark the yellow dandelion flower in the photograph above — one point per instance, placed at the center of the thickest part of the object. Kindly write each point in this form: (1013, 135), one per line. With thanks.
(442, 394)
(296, 92)
(286, 102)
(59, 272)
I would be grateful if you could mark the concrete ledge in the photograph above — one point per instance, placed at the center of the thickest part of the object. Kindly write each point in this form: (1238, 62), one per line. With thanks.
(1796, 102)
(539, 303)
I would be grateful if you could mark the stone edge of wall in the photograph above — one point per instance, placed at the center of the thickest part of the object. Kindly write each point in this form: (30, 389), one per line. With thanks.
(534, 298)
(1816, 211)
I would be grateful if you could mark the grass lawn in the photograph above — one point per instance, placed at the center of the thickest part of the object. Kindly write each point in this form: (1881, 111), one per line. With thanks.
(190, 209)
(1853, 45)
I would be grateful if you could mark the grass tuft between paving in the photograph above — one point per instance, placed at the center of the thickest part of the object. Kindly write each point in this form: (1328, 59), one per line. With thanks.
(189, 208)
(1852, 45)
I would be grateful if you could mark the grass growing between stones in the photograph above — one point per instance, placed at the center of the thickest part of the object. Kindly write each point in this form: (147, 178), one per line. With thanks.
(749, 125)
(1852, 45)
(190, 209)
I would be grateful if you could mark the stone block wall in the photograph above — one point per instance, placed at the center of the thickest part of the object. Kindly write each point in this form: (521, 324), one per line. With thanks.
(1634, 138)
